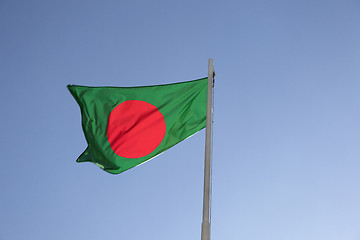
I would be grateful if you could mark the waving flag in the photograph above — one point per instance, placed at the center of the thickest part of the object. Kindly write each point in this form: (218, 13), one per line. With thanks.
(127, 126)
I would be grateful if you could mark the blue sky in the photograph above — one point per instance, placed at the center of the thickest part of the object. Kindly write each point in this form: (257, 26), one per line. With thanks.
(287, 119)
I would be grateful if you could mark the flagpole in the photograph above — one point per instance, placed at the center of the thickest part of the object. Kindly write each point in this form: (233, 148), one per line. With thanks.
(206, 223)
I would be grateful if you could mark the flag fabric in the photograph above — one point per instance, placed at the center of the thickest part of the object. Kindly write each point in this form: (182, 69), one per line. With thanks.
(127, 126)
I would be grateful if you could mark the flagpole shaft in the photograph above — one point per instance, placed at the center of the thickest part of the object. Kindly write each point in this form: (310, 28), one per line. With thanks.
(205, 227)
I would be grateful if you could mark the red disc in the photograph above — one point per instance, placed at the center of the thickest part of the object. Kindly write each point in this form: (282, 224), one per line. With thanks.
(135, 128)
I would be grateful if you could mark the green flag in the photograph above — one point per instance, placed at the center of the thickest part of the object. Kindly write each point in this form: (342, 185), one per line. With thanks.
(126, 126)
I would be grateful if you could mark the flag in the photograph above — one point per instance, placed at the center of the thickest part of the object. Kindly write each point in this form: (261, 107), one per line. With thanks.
(127, 126)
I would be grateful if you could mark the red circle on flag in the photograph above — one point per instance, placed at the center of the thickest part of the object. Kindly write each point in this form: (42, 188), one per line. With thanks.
(135, 129)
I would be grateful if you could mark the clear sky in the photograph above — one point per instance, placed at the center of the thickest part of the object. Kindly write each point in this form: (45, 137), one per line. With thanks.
(287, 119)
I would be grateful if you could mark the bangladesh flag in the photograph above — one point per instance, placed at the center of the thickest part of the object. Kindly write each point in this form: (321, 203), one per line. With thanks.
(127, 126)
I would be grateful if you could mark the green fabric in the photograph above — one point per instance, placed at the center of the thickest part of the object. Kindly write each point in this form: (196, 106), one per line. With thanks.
(183, 106)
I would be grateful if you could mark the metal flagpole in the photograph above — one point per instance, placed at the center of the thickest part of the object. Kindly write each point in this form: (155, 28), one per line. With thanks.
(205, 227)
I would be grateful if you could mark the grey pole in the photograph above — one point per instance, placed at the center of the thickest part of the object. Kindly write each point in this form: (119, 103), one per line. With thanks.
(205, 227)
